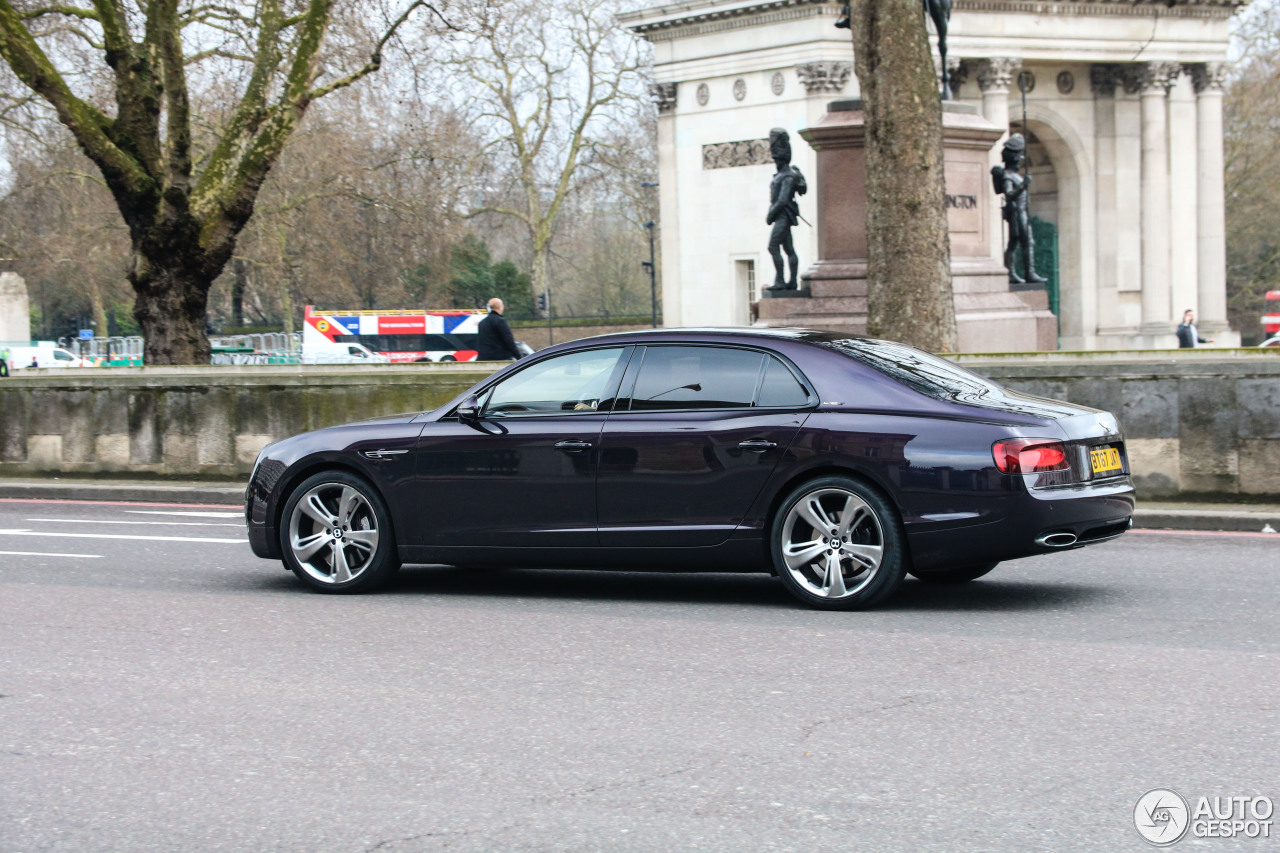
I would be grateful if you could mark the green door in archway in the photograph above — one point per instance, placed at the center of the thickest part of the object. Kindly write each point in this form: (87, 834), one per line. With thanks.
(1046, 237)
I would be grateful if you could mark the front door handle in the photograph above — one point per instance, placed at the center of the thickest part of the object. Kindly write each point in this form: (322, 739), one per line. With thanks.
(573, 445)
(757, 445)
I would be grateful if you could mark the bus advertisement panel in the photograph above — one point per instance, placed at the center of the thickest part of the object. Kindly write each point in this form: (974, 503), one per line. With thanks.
(409, 335)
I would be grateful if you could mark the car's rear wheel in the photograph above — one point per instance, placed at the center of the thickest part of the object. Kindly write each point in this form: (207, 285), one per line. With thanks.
(337, 535)
(955, 574)
(838, 545)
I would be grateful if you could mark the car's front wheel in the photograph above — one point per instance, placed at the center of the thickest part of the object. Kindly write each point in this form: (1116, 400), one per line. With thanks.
(838, 544)
(337, 535)
(954, 574)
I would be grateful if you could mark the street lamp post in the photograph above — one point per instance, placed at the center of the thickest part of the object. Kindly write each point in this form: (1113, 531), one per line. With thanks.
(649, 264)
(653, 277)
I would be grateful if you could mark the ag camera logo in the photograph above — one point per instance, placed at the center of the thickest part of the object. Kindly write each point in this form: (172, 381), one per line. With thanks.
(1161, 816)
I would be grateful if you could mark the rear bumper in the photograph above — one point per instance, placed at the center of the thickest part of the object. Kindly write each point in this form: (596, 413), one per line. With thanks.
(1089, 513)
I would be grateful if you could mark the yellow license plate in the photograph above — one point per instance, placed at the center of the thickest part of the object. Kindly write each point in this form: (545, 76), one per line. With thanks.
(1104, 459)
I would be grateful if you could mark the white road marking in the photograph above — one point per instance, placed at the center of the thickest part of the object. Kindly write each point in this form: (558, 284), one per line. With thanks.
(40, 554)
(120, 536)
(188, 513)
(164, 523)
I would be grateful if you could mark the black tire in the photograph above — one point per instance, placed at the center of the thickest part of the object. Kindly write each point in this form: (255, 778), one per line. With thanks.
(955, 574)
(868, 537)
(448, 358)
(343, 515)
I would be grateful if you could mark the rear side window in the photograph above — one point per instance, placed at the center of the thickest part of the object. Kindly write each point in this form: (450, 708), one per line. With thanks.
(696, 378)
(780, 386)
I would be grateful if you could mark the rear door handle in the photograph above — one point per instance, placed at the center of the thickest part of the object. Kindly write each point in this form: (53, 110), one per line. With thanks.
(573, 445)
(757, 445)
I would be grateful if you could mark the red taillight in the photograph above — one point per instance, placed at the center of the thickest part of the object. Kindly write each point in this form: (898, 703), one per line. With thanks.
(1029, 455)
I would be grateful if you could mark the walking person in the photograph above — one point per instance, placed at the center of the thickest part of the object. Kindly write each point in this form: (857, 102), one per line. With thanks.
(494, 341)
(1188, 337)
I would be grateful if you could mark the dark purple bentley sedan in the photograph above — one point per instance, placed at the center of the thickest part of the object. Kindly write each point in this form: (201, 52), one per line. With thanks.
(838, 463)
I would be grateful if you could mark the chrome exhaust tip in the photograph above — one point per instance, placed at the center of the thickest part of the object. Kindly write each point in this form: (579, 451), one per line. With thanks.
(1060, 539)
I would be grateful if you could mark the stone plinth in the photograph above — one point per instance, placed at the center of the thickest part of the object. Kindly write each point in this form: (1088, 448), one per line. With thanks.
(989, 317)
(15, 310)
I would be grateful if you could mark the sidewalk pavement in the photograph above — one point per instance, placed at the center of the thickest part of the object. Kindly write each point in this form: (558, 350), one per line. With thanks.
(1150, 515)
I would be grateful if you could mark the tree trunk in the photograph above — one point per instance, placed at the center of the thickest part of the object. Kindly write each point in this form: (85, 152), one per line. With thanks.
(170, 309)
(909, 252)
(239, 283)
(102, 327)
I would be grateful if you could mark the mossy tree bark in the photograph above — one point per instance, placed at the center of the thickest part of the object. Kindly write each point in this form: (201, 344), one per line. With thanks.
(909, 295)
(183, 222)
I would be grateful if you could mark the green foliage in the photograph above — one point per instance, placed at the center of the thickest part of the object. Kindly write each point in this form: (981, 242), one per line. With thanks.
(472, 280)
(123, 323)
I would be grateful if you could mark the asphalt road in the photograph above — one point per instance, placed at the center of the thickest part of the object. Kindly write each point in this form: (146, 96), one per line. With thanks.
(163, 689)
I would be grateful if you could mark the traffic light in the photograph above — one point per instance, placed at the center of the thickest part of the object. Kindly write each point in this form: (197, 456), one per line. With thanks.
(542, 301)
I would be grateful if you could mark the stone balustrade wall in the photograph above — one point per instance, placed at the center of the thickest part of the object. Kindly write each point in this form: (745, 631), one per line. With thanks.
(1206, 424)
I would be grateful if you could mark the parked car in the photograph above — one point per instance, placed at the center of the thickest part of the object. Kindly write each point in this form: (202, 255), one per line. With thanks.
(1273, 341)
(838, 463)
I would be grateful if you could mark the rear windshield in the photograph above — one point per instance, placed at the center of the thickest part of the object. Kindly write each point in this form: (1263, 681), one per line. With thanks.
(918, 370)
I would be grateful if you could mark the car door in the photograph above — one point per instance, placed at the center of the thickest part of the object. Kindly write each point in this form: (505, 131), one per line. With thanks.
(695, 436)
(523, 473)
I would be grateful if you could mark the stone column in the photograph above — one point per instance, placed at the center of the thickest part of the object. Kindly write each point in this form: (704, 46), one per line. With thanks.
(665, 97)
(1183, 269)
(1211, 208)
(1154, 81)
(15, 310)
(995, 76)
(1103, 80)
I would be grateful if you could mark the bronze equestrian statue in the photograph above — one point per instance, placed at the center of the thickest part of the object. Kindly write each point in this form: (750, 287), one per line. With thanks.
(940, 12)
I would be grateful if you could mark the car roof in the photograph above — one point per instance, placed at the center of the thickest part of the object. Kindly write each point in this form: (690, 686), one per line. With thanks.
(740, 332)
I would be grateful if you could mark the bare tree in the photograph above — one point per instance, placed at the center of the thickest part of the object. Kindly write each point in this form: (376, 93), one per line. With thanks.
(184, 207)
(1252, 105)
(548, 82)
(909, 295)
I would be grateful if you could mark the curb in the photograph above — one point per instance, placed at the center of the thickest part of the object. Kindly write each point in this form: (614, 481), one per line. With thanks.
(1240, 518)
(1243, 520)
(231, 494)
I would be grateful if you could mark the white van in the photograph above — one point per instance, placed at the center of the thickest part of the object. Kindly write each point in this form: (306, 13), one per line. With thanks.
(45, 356)
(341, 354)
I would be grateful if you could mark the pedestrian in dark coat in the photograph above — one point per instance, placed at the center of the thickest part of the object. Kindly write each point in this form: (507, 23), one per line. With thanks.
(1188, 337)
(494, 341)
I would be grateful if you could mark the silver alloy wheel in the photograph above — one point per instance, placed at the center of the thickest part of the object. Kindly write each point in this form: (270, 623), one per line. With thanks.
(832, 543)
(333, 533)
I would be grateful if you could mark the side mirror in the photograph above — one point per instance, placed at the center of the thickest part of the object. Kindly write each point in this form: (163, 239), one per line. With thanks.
(469, 411)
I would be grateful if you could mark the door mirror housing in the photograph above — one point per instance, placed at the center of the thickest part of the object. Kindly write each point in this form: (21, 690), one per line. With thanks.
(469, 411)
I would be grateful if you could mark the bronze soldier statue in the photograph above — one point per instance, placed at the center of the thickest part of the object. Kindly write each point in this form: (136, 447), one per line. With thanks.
(1013, 185)
(784, 212)
(940, 12)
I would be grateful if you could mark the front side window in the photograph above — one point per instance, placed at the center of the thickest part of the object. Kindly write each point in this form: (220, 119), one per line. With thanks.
(576, 382)
(696, 378)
